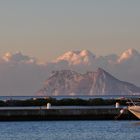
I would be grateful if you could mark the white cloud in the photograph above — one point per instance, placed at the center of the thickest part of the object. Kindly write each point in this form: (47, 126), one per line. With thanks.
(129, 55)
(77, 57)
(18, 57)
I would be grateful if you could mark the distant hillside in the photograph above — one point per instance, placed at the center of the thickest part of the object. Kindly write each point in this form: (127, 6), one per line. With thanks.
(67, 82)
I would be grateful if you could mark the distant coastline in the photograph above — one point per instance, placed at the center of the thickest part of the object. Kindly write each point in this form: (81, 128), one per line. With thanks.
(64, 100)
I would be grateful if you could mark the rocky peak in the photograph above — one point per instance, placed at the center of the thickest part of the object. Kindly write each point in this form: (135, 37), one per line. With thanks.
(101, 82)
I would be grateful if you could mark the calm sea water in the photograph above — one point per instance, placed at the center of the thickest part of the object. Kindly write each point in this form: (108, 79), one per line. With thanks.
(70, 130)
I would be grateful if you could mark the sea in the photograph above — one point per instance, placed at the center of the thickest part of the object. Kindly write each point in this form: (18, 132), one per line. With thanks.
(70, 130)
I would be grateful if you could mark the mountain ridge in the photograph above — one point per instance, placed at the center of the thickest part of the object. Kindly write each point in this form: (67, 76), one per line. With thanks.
(67, 82)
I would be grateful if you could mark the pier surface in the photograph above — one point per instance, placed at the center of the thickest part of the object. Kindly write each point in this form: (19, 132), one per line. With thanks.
(85, 113)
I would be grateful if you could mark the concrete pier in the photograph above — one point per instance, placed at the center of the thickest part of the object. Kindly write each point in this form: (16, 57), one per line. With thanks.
(64, 114)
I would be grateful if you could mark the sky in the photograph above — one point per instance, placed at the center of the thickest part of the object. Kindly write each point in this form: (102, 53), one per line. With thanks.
(48, 28)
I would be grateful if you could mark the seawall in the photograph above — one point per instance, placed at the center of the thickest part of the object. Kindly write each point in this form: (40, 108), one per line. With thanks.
(65, 114)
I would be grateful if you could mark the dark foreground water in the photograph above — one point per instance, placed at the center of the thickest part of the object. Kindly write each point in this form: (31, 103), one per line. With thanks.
(70, 130)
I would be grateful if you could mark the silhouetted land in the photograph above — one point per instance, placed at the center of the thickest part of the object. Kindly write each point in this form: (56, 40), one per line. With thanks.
(62, 102)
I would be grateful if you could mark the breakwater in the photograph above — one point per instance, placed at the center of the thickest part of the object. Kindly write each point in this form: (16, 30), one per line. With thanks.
(64, 114)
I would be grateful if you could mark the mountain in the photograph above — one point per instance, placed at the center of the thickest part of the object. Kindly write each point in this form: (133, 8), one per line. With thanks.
(22, 74)
(67, 82)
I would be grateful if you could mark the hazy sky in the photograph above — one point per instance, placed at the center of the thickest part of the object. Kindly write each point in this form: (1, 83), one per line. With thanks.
(48, 28)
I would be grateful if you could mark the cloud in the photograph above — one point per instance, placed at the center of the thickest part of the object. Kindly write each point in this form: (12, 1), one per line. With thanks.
(21, 74)
(18, 57)
(77, 57)
(129, 55)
